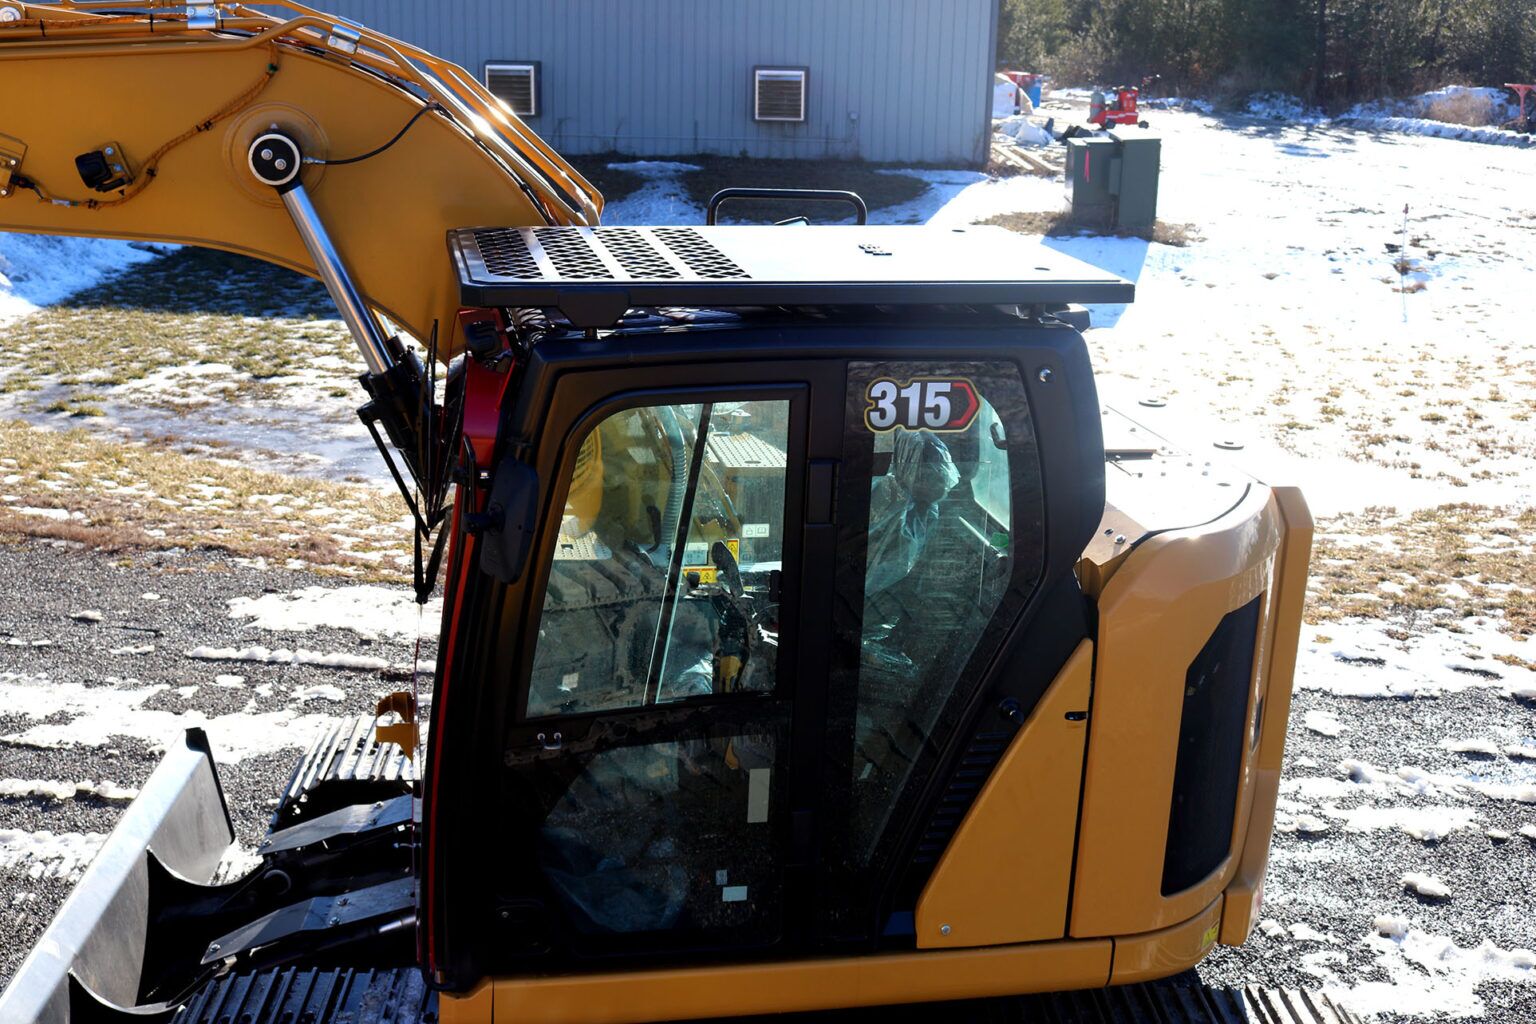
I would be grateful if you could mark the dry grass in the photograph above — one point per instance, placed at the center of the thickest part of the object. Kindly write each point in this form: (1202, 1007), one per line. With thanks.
(191, 307)
(1061, 225)
(1462, 108)
(75, 486)
(1432, 568)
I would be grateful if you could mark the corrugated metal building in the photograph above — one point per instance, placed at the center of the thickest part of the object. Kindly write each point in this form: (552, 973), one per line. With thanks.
(904, 81)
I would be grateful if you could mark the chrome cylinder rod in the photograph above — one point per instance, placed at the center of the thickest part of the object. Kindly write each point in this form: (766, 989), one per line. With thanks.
(354, 311)
(275, 159)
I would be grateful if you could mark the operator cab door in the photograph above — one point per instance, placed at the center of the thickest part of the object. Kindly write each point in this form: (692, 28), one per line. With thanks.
(648, 783)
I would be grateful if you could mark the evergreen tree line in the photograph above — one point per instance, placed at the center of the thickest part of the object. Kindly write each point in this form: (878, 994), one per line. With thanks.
(1331, 52)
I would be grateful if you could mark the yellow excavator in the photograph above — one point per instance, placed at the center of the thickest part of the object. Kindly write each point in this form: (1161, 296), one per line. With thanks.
(813, 638)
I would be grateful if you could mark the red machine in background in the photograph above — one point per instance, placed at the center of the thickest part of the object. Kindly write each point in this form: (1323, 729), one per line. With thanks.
(1525, 121)
(1121, 109)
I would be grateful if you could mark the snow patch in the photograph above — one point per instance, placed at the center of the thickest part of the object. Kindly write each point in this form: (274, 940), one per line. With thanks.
(1426, 824)
(48, 855)
(1471, 746)
(1426, 885)
(237, 862)
(97, 714)
(86, 615)
(1324, 724)
(59, 791)
(1303, 932)
(369, 611)
(320, 691)
(663, 199)
(1301, 824)
(1279, 106)
(1356, 659)
(283, 656)
(37, 270)
(1428, 975)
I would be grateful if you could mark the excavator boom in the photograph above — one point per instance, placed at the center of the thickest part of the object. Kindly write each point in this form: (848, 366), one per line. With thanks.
(398, 144)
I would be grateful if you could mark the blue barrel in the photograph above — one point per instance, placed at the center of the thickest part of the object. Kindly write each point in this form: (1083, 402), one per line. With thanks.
(1033, 91)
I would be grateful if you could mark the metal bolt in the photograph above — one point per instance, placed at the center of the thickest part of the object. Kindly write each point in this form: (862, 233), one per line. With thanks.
(944, 929)
(213, 947)
(1045, 375)
(335, 921)
(1120, 538)
(265, 843)
(109, 151)
(12, 161)
(282, 165)
(342, 902)
(266, 154)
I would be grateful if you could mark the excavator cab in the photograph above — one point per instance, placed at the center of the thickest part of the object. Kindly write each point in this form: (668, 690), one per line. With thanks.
(770, 642)
(782, 555)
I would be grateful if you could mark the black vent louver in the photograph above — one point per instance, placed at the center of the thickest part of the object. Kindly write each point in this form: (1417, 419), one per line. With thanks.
(1212, 737)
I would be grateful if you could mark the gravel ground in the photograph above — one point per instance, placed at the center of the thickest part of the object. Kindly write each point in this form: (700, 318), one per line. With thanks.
(1336, 883)
(1323, 893)
(43, 584)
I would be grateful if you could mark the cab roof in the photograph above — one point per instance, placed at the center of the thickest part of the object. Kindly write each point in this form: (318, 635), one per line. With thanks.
(592, 276)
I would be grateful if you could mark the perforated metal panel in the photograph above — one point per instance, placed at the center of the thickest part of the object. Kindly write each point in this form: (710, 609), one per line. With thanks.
(593, 275)
(702, 258)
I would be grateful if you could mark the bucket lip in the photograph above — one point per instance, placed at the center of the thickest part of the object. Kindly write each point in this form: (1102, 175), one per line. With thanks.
(95, 946)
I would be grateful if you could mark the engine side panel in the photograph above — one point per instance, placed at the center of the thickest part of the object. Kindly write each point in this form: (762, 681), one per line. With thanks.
(1157, 615)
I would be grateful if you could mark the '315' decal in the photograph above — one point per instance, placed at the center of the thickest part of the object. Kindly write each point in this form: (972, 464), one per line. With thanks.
(923, 403)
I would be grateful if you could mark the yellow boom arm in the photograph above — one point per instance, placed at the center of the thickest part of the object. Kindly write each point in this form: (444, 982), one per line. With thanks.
(174, 97)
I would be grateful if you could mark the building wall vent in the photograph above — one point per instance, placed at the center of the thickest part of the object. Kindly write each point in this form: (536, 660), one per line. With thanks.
(517, 85)
(778, 94)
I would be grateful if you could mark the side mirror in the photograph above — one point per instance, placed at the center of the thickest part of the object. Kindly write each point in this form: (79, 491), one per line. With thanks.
(507, 525)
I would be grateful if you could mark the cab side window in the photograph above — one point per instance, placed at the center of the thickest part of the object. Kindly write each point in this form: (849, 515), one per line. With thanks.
(664, 578)
(953, 521)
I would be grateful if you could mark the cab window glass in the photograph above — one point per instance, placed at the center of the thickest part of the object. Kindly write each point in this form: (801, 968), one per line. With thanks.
(950, 453)
(664, 575)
